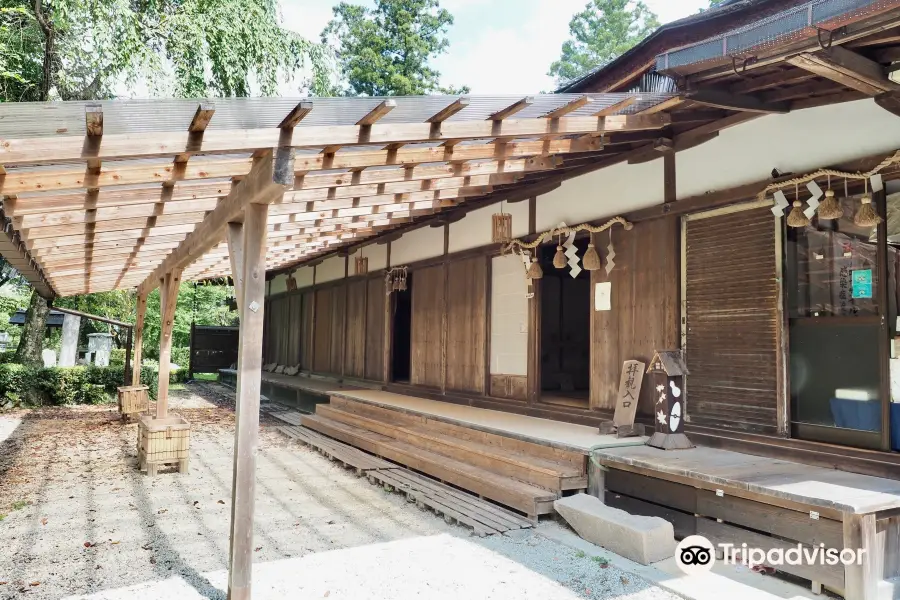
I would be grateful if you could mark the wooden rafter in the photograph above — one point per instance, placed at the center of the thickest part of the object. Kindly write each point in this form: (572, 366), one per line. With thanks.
(847, 68)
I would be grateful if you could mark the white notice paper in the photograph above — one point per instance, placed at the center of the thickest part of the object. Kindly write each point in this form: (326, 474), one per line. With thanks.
(603, 296)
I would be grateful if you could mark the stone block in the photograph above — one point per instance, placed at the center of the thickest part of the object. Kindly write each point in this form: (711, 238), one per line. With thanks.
(642, 539)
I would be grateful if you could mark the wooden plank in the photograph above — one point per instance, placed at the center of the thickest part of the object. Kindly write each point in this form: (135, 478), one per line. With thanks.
(847, 68)
(450, 110)
(617, 107)
(788, 524)
(512, 109)
(168, 294)
(685, 524)
(720, 533)
(569, 107)
(93, 120)
(297, 114)
(426, 329)
(235, 237)
(732, 101)
(264, 185)
(202, 117)
(141, 312)
(657, 491)
(247, 403)
(466, 334)
(377, 113)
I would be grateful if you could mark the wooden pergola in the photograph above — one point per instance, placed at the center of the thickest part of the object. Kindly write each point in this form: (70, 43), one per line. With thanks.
(140, 195)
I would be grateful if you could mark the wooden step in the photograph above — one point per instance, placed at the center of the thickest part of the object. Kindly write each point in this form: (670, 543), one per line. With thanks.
(461, 432)
(527, 498)
(552, 475)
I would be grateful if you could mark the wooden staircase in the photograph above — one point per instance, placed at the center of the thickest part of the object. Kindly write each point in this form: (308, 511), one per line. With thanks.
(522, 475)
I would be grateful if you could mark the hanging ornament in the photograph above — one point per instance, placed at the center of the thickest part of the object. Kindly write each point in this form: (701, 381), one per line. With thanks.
(591, 260)
(830, 208)
(610, 255)
(559, 259)
(535, 271)
(502, 227)
(362, 264)
(797, 218)
(866, 215)
(291, 282)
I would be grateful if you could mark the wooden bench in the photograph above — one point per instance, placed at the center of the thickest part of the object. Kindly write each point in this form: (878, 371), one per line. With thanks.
(736, 498)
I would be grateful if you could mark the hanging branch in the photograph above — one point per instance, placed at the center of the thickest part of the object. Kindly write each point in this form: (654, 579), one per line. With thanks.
(510, 247)
(796, 181)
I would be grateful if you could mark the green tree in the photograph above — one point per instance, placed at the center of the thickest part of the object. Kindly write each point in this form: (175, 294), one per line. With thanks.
(603, 31)
(80, 50)
(386, 51)
(713, 4)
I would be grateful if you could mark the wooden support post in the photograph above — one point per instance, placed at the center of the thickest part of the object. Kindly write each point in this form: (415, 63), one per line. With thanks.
(138, 339)
(168, 299)
(248, 386)
(861, 578)
(596, 479)
(236, 257)
(129, 377)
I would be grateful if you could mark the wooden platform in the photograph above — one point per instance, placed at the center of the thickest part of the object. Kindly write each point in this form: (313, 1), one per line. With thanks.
(544, 432)
(524, 476)
(484, 518)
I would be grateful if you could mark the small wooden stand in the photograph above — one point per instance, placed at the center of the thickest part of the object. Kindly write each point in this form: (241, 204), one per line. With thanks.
(133, 400)
(163, 441)
(667, 371)
(623, 424)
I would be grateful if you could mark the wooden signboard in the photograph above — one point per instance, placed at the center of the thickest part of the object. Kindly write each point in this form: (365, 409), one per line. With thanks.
(629, 392)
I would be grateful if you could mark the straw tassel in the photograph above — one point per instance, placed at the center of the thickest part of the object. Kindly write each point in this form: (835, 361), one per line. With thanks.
(535, 271)
(797, 218)
(591, 260)
(830, 207)
(559, 259)
(866, 215)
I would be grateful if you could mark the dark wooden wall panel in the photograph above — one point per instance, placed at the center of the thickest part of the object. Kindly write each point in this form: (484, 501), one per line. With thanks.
(355, 340)
(307, 340)
(427, 317)
(322, 329)
(338, 300)
(466, 305)
(732, 321)
(645, 310)
(375, 299)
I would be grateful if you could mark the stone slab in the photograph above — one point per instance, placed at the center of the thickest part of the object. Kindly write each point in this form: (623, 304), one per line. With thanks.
(644, 540)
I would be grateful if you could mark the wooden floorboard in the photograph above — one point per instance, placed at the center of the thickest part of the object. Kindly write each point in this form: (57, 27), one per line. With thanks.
(483, 517)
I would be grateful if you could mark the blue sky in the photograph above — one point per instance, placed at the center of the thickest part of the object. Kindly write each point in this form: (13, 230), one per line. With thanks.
(496, 46)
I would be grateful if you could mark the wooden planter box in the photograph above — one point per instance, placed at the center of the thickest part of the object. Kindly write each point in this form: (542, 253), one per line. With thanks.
(163, 442)
(134, 399)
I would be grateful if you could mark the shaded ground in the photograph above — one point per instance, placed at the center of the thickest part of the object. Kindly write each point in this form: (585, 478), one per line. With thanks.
(81, 520)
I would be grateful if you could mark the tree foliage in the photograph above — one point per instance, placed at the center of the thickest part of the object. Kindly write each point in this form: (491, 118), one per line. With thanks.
(386, 51)
(81, 49)
(603, 31)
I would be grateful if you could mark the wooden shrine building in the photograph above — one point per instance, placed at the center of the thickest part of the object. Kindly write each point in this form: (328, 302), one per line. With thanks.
(420, 260)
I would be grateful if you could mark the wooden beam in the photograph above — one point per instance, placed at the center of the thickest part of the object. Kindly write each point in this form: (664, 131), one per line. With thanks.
(450, 110)
(168, 298)
(847, 68)
(377, 113)
(219, 141)
(512, 109)
(732, 101)
(569, 107)
(235, 237)
(617, 107)
(246, 435)
(297, 114)
(138, 339)
(266, 183)
(889, 101)
(202, 117)
(662, 106)
(93, 120)
(779, 79)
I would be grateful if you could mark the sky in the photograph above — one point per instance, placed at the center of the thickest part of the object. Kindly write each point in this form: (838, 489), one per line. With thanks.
(496, 46)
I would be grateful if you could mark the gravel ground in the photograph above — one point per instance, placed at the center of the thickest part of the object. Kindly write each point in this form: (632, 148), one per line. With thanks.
(81, 520)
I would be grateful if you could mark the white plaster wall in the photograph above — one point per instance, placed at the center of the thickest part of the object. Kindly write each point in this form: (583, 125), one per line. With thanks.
(377, 255)
(304, 277)
(331, 269)
(278, 285)
(419, 244)
(604, 193)
(799, 141)
(509, 317)
(475, 229)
